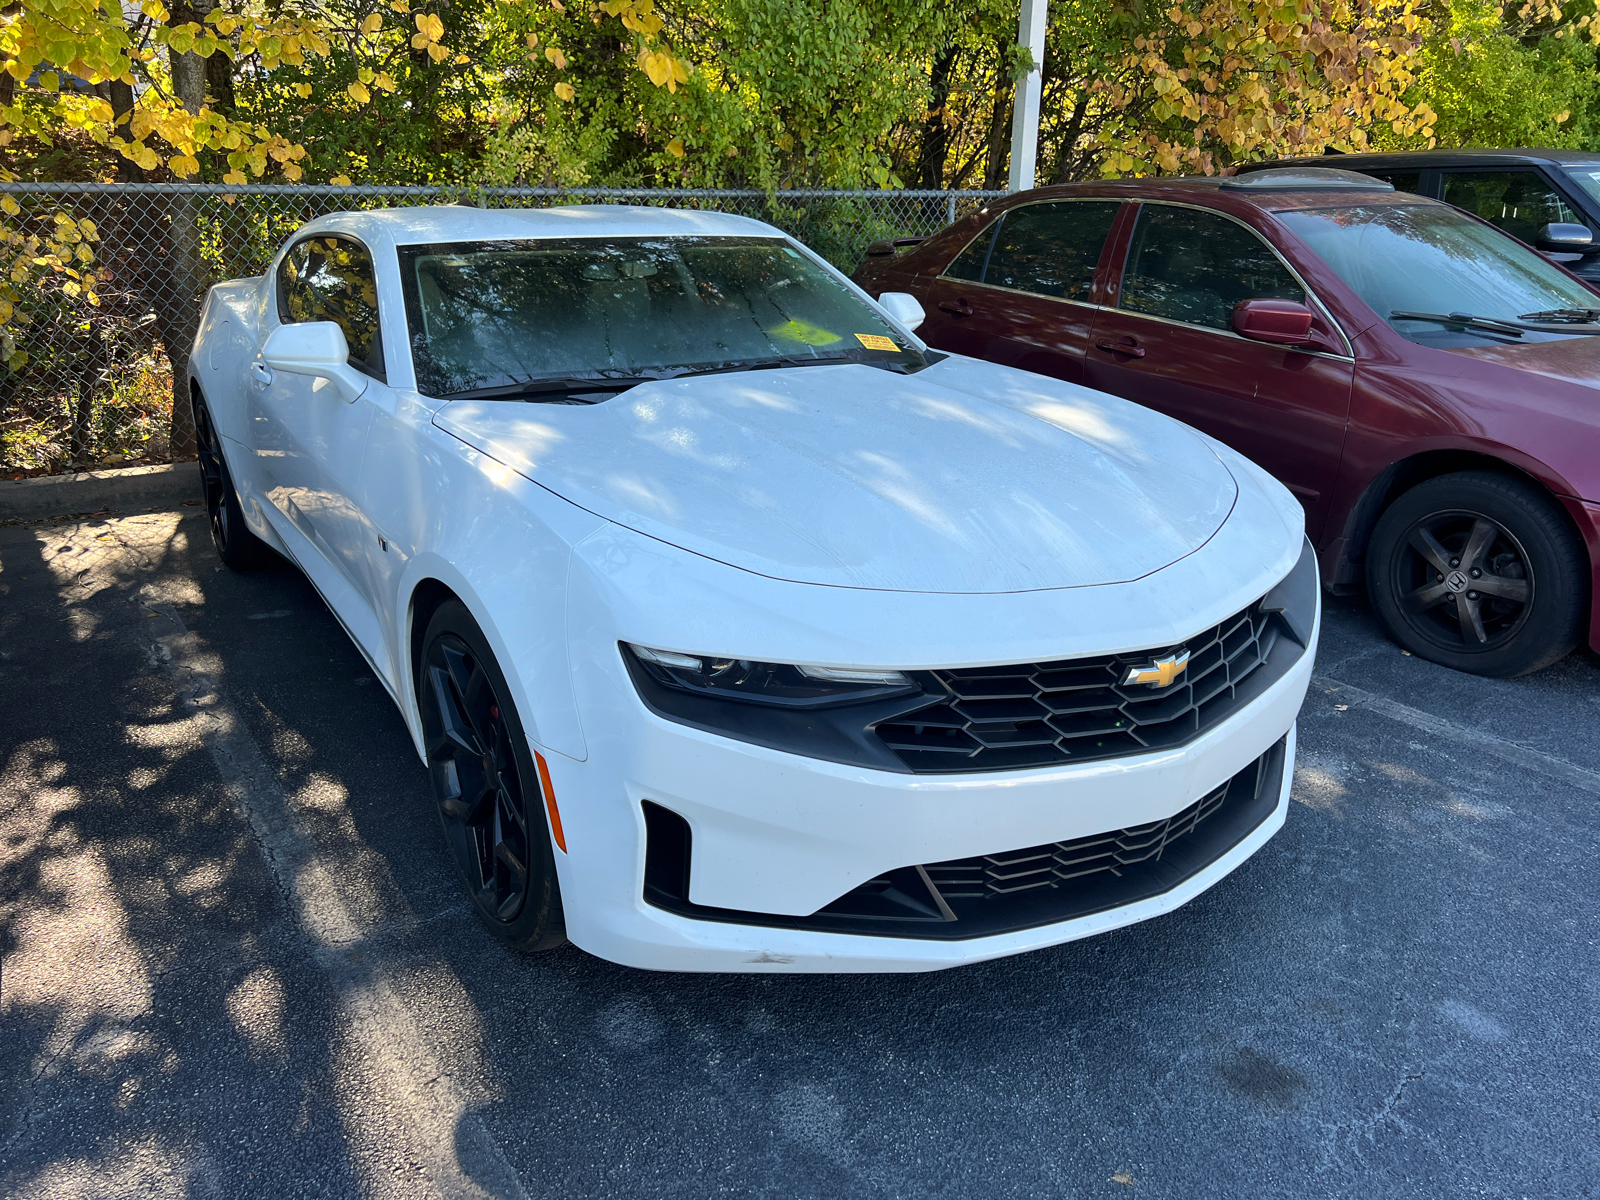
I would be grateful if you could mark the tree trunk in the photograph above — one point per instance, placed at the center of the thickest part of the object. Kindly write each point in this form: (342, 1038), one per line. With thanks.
(935, 149)
(1067, 154)
(999, 159)
(176, 286)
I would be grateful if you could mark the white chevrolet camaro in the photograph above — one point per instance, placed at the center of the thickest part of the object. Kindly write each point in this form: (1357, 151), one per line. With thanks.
(740, 631)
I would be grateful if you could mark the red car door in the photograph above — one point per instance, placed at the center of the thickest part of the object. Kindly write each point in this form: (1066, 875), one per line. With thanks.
(1166, 341)
(1020, 292)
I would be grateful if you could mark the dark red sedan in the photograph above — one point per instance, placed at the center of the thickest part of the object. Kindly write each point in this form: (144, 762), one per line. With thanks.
(1426, 385)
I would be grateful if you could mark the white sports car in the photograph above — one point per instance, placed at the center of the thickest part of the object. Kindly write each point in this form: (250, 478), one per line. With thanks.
(739, 630)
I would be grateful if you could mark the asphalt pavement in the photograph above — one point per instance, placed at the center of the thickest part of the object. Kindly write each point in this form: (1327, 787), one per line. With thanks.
(234, 959)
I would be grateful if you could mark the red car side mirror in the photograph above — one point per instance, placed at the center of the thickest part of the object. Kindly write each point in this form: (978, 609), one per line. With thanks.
(1279, 322)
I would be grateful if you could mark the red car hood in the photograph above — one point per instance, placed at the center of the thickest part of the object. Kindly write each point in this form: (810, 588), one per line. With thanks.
(1575, 360)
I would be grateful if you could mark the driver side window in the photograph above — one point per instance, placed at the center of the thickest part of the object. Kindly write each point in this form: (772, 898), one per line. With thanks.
(1193, 266)
(331, 278)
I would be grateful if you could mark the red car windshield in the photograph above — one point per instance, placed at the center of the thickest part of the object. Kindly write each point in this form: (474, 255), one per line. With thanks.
(1428, 258)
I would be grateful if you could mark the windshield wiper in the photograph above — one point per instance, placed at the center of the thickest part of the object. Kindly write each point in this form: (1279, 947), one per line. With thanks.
(556, 390)
(769, 364)
(1563, 316)
(1486, 324)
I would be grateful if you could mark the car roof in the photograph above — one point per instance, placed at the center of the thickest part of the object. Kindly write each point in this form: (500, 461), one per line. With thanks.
(1471, 156)
(463, 223)
(1208, 190)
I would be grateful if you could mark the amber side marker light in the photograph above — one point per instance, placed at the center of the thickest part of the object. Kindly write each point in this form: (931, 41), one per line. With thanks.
(550, 801)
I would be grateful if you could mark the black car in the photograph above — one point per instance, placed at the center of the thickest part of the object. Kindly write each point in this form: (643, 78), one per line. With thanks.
(1521, 191)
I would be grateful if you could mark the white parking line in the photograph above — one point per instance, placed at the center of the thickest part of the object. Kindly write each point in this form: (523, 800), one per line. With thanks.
(405, 1087)
(1511, 752)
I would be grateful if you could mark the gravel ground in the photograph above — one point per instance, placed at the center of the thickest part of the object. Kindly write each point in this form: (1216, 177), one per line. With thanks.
(234, 960)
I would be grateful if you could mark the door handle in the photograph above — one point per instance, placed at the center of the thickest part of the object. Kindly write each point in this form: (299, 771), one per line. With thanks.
(959, 307)
(1125, 346)
(260, 374)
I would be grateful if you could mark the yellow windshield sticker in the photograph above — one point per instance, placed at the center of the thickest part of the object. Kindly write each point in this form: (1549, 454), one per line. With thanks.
(803, 332)
(876, 341)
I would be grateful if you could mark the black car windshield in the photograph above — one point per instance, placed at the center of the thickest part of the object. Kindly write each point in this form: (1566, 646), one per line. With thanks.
(1429, 258)
(487, 316)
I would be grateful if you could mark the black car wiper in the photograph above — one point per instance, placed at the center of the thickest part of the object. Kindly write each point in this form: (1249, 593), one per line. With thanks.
(1563, 316)
(769, 364)
(1486, 324)
(556, 390)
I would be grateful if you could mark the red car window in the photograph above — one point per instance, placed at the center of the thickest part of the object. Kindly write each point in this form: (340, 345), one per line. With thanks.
(1051, 249)
(1193, 266)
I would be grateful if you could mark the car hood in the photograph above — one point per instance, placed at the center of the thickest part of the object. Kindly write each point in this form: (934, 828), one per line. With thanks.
(1573, 359)
(965, 477)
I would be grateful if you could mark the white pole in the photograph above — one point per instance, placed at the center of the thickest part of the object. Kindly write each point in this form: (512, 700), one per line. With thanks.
(1025, 111)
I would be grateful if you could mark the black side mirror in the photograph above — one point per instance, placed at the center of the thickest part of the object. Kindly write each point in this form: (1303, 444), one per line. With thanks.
(1565, 236)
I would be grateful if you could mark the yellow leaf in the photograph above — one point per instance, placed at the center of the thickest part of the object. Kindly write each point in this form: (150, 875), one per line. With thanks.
(292, 171)
(340, 180)
(303, 90)
(5, 311)
(533, 41)
(365, 75)
(1560, 117)
(10, 206)
(400, 6)
(462, 58)
(359, 93)
(675, 148)
(87, 255)
(565, 90)
(437, 52)
(418, 40)
(556, 57)
(385, 81)
(372, 24)
(146, 158)
(182, 166)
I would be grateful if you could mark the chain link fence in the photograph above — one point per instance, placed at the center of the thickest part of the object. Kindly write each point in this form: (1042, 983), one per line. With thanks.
(101, 284)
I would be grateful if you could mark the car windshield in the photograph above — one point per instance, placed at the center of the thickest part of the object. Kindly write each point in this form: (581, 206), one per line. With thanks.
(525, 318)
(1429, 258)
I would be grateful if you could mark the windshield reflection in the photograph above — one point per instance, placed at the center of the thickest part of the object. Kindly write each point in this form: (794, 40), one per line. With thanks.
(1432, 259)
(531, 319)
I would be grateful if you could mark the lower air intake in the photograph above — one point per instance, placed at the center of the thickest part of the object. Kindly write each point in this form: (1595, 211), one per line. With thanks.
(1001, 893)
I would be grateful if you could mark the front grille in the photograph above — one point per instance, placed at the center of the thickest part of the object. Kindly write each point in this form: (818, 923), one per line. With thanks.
(1056, 863)
(1079, 709)
(1001, 893)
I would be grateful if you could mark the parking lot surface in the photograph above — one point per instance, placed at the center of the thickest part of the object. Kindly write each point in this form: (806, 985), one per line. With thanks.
(235, 961)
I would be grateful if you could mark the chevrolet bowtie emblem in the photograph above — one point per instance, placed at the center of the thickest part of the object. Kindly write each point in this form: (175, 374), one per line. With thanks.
(1159, 674)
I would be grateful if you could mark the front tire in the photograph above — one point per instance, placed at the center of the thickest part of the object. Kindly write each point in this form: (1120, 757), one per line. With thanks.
(238, 548)
(486, 784)
(1480, 572)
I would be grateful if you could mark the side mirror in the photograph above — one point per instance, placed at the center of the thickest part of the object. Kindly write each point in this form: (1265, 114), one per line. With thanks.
(1279, 323)
(903, 307)
(318, 349)
(1564, 235)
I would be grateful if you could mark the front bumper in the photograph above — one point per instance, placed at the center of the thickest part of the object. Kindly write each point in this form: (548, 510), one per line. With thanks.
(782, 835)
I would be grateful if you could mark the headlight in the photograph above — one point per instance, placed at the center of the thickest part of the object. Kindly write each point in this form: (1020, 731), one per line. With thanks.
(785, 684)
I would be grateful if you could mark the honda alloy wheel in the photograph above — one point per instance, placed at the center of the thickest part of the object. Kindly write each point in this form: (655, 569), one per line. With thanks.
(486, 785)
(1480, 572)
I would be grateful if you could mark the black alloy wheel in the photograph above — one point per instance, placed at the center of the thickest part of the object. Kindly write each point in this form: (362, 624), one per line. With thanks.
(1480, 572)
(238, 548)
(486, 784)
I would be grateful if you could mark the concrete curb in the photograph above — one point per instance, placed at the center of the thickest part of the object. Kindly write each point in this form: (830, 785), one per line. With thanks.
(95, 491)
